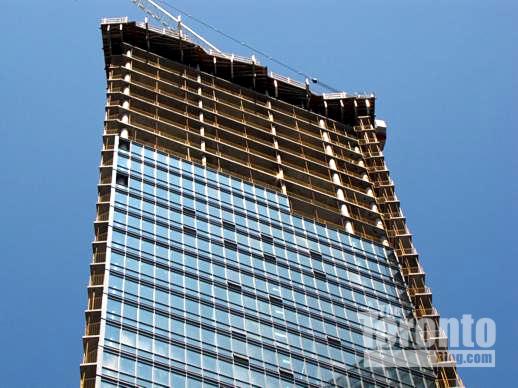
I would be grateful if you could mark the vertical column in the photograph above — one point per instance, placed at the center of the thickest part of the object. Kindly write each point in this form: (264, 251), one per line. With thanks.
(344, 211)
(202, 128)
(126, 90)
(280, 172)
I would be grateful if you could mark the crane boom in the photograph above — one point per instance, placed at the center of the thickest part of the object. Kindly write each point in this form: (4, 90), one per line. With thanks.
(157, 11)
(148, 5)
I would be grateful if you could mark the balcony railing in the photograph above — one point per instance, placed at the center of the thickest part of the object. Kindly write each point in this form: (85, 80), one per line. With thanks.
(101, 236)
(444, 358)
(102, 216)
(106, 180)
(88, 382)
(437, 334)
(96, 279)
(114, 20)
(287, 80)
(92, 328)
(427, 312)
(420, 290)
(95, 303)
(99, 257)
(104, 197)
(409, 271)
(90, 357)
(406, 251)
(448, 383)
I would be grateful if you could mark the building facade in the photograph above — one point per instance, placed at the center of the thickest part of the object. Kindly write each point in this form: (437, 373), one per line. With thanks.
(247, 232)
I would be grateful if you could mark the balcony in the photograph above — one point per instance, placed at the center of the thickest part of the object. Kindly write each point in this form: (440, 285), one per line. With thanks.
(102, 236)
(96, 279)
(430, 312)
(420, 291)
(92, 328)
(102, 217)
(88, 382)
(90, 357)
(436, 335)
(99, 257)
(413, 271)
(406, 251)
(399, 232)
(448, 383)
(383, 183)
(444, 360)
(95, 303)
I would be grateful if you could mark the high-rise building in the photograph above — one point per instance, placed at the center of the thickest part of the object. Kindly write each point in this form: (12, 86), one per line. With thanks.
(247, 232)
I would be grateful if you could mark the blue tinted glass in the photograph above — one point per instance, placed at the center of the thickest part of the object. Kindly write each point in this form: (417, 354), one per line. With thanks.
(217, 264)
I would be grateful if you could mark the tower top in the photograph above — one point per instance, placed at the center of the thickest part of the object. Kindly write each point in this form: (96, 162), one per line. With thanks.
(244, 71)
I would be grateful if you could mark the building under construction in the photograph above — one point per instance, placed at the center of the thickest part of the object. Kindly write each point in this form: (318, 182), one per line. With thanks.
(307, 167)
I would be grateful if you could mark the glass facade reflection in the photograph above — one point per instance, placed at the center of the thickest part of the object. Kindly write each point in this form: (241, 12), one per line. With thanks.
(212, 282)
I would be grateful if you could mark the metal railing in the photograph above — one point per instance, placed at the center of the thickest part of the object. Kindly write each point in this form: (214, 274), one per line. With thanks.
(95, 303)
(90, 356)
(388, 198)
(426, 312)
(395, 214)
(448, 383)
(101, 236)
(416, 270)
(93, 328)
(103, 216)
(99, 257)
(106, 180)
(233, 57)
(444, 357)
(398, 232)
(419, 290)
(434, 334)
(88, 382)
(385, 182)
(165, 31)
(287, 80)
(97, 279)
(114, 20)
(406, 251)
(334, 96)
(104, 197)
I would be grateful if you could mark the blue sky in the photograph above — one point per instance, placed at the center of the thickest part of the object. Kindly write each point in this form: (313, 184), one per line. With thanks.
(445, 76)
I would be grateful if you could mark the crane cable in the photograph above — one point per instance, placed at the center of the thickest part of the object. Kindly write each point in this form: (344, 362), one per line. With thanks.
(245, 44)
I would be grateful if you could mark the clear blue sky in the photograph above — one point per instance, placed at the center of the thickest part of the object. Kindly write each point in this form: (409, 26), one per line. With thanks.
(446, 80)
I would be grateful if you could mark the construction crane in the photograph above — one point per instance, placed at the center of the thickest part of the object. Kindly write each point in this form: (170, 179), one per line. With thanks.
(157, 10)
(164, 17)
